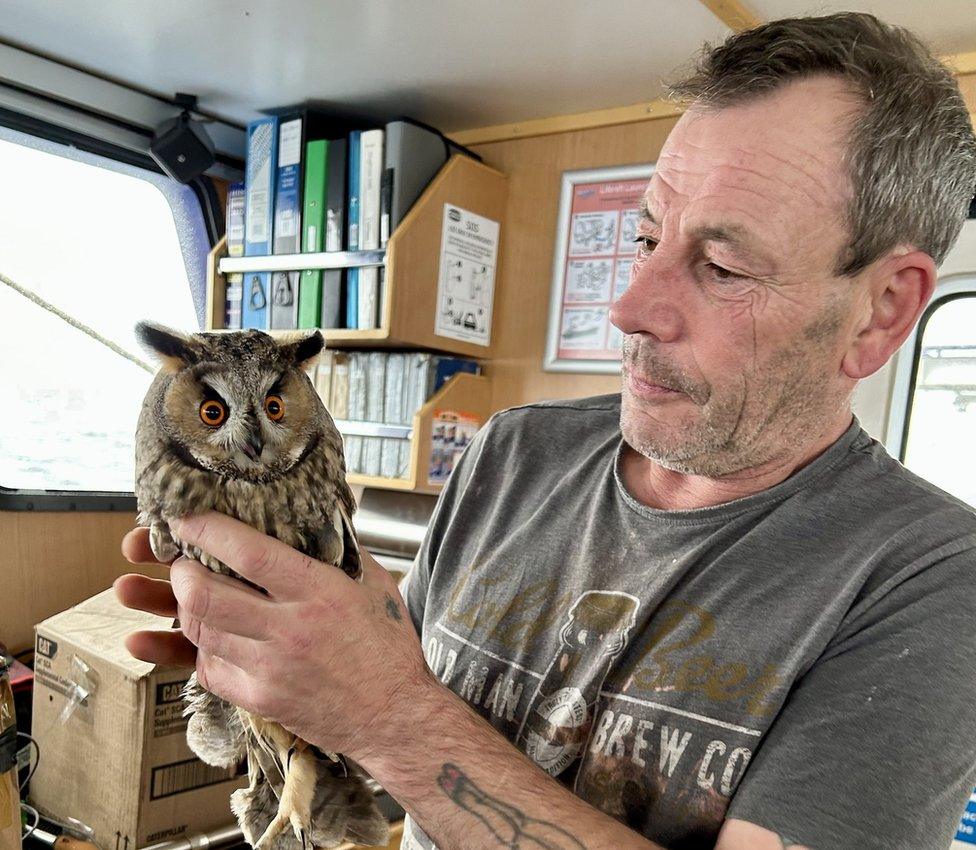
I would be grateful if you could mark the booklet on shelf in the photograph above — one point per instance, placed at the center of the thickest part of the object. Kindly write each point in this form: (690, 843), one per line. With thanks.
(287, 223)
(259, 192)
(313, 231)
(234, 289)
(335, 233)
(370, 177)
(352, 240)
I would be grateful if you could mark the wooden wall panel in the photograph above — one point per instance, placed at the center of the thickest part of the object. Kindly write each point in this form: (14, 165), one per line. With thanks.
(534, 167)
(51, 561)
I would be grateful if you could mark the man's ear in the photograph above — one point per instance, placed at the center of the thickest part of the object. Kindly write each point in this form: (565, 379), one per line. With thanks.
(301, 352)
(173, 350)
(900, 286)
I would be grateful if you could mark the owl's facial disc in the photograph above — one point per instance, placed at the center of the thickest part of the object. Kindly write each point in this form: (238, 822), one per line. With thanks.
(255, 436)
(255, 427)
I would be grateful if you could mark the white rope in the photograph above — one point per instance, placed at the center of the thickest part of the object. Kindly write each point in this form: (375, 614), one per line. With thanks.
(85, 329)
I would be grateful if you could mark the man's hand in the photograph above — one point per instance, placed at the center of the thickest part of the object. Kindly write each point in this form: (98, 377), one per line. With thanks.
(329, 658)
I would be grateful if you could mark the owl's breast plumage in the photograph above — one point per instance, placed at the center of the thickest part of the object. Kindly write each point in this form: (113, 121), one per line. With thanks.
(295, 507)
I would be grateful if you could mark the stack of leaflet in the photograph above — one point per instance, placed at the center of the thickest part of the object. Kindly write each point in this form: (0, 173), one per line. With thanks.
(311, 185)
(235, 248)
(382, 387)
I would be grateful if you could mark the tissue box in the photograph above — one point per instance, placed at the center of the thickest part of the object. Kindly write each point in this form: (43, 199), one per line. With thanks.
(111, 733)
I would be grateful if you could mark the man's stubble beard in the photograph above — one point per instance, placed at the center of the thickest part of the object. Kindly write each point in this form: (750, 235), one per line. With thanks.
(782, 406)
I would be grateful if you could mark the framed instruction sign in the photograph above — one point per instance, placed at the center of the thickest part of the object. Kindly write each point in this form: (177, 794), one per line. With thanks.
(595, 249)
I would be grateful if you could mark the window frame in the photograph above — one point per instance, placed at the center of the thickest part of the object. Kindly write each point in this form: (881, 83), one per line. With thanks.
(89, 501)
(951, 288)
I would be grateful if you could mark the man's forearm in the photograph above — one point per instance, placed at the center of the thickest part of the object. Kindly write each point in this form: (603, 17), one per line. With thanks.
(470, 789)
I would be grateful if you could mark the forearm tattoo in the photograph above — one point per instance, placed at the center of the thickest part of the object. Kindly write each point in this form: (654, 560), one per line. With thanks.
(509, 825)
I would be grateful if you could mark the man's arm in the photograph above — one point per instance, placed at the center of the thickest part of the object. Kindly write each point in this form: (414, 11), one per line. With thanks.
(339, 663)
(468, 787)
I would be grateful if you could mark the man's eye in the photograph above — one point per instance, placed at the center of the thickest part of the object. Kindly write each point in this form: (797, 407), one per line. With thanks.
(646, 243)
(722, 274)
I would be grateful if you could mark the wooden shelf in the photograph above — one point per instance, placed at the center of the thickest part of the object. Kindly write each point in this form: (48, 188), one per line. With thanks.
(464, 394)
(409, 295)
(298, 262)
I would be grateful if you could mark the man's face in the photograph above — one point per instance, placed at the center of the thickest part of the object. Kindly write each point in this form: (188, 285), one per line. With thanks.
(735, 324)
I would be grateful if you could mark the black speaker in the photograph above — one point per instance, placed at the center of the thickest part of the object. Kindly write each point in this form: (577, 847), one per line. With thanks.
(181, 146)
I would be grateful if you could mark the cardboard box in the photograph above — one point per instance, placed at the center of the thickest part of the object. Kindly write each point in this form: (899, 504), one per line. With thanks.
(112, 734)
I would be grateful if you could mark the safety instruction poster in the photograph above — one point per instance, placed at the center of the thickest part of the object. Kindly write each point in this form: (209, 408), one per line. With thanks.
(466, 286)
(599, 253)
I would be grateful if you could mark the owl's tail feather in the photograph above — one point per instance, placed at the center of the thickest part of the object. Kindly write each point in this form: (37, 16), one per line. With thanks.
(214, 730)
(342, 806)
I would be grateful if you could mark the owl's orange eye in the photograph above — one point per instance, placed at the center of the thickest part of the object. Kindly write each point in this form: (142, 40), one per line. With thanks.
(275, 408)
(213, 413)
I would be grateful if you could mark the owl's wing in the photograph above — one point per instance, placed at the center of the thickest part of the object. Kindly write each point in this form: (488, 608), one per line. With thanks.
(351, 563)
(256, 805)
(214, 731)
(337, 543)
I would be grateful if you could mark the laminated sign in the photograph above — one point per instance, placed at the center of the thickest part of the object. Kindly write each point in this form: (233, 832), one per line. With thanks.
(466, 286)
(599, 211)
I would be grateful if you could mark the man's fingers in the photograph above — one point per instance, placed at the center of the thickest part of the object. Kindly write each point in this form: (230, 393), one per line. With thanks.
(136, 548)
(169, 648)
(146, 594)
(374, 573)
(242, 652)
(221, 602)
(269, 563)
(227, 681)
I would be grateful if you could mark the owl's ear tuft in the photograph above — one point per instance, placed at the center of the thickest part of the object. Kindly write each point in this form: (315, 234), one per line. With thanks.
(173, 349)
(301, 352)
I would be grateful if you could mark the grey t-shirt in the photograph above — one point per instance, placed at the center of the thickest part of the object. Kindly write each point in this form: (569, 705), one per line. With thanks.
(804, 658)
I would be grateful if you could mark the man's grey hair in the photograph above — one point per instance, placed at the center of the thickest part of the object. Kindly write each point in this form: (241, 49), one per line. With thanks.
(911, 155)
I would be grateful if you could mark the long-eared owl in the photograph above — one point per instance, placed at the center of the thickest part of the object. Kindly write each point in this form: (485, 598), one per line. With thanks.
(231, 423)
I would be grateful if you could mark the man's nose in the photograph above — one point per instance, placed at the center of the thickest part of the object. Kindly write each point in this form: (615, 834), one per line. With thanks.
(650, 303)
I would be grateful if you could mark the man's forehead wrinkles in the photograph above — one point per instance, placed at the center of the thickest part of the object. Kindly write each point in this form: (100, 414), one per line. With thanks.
(794, 167)
(784, 189)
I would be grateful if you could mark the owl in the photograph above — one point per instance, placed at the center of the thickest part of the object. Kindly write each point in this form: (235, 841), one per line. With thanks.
(231, 423)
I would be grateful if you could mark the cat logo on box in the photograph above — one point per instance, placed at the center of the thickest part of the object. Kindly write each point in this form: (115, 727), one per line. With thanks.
(47, 647)
(168, 716)
(170, 691)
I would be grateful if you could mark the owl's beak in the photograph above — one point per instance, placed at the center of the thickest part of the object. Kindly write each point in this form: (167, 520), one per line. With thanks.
(254, 445)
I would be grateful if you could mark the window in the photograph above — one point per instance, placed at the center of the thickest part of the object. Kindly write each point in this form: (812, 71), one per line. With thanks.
(108, 244)
(939, 436)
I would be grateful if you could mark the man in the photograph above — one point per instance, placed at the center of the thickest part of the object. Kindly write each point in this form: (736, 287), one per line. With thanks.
(712, 609)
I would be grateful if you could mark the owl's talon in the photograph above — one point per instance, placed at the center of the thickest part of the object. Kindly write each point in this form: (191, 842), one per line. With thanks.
(295, 803)
(161, 543)
(275, 828)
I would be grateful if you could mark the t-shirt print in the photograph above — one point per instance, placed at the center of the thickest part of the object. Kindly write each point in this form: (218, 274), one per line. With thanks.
(622, 741)
(756, 659)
